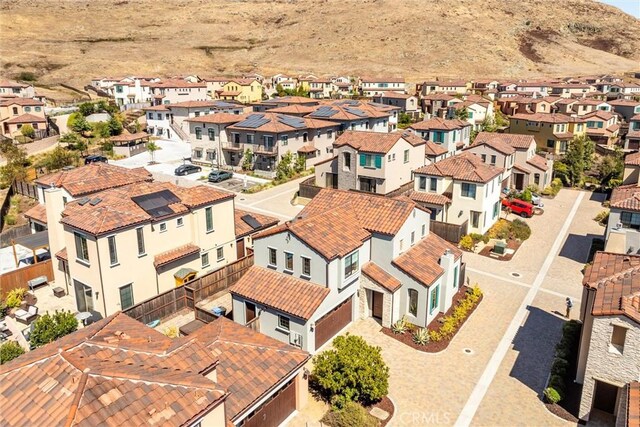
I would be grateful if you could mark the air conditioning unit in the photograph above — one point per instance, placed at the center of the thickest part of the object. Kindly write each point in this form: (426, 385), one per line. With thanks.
(295, 339)
(618, 226)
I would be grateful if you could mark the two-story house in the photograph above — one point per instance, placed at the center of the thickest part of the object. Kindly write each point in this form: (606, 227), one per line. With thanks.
(609, 355)
(269, 136)
(453, 135)
(437, 104)
(451, 86)
(623, 227)
(460, 190)
(175, 91)
(321, 88)
(133, 242)
(133, 90)
(241, 90)
(523, 105)
(602, 127)
(626, 108)
(208, 135)
(346, 255)
(21, 90)
(372, 86)
(371, 161)
(407, 103)
(17, 112)
(632, 139)
(350, 114)
(621, 90)
(552, 132)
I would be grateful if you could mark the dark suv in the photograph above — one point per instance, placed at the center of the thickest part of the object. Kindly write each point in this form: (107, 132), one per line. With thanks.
(95, 159)
(187, 169)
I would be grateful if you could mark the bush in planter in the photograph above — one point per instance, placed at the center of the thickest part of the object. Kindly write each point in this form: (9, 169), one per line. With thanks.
(400, 327)
(477, 238)
(559, 367)
(499, 230)
(9, 351)
(552, 395)
(557, 382)
(15, 297)
(48, 328)
(467, 243)
(421, 336)
(520, 230)
(352, 414)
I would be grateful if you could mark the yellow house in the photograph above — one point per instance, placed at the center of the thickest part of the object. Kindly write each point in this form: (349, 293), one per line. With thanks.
(241, 90)
(552, 132)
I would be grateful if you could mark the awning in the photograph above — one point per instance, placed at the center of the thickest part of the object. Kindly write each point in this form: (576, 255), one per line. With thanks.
(33, 241)
(183, 272)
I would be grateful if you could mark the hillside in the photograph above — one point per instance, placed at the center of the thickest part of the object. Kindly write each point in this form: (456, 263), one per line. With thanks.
(71, 41)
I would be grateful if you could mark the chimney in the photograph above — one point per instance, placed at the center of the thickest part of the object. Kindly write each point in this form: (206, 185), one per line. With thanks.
(54, 205)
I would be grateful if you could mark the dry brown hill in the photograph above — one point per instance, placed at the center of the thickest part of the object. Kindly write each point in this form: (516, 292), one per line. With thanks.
(72, 41)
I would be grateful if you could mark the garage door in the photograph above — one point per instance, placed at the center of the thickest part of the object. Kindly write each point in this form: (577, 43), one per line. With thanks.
(332, 322)
(275, 410)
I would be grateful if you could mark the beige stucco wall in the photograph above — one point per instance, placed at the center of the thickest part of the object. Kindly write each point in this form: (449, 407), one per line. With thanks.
(365, 308)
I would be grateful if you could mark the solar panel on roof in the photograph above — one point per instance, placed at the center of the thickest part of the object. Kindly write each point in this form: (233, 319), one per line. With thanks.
(324, 112)
(251, 221)
(358, 112)
(156, 204)
(253, 121)
(294, 122)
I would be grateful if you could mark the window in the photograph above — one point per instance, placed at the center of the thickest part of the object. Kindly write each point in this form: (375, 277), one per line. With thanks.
(536, 179)
(273, 257)
(424, 230)
(212, 134)
(284, 139)
(435, 296)
(618, 337)
(163, 227)
(113, 253)
(433, 184)
(250, 138)
(493, 160)
(126, 297)
(350, 264)
(630, 220)
(38, 109)
(413, 302)
(484, 158)
(370, 161)
(468, 190)
(288, 261)
(401, 245)
(198, 133)
(82, 250)
(406, 156)
(455, 277)
(413, 237)
(208, 214)
(204, 258)
(15, 111)
(347, 161)
(306, 266)
(551, 143)
(283, 322)
(475, 219)
(329, 133)
(496, 210)
(140, 236)
(179, 222)
(220, 254)
(27, 109)
(422, 183)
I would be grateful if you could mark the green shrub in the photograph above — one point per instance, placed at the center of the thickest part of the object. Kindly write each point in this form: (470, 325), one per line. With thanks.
(559, 367)
(602, 217)
(352, 371)
(552, 395)
(48, 328)
(9, 351)
(400, 327)
(28, 131)
(26, 76)
(477, 238)
(557, 382)
(526, 195)
(421, 336)
(435, 336)
(499, 230)
(351, 415)
(15, 297)
(10, 219)
(520, 230)
(466, 243)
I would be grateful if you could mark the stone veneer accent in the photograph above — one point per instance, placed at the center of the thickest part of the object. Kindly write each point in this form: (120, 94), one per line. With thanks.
(347, 180)
(366, 283)
(603, 365)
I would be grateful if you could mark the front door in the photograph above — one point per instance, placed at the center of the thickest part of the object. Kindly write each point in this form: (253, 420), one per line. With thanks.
(519, 181)
(376, 304)
(605, 397)
(240, 248)
(84, 297)
(250, 312)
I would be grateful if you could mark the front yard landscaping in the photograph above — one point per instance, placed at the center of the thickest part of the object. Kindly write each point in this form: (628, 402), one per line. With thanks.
(437, 336)
(501, 242)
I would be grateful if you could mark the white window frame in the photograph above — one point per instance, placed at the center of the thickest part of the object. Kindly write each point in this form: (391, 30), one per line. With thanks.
(288, 256)
(273, 251)
(204, 260)
(111, 245)
(218, 251)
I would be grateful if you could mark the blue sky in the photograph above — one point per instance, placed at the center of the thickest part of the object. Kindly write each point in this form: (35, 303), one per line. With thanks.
(632, 7)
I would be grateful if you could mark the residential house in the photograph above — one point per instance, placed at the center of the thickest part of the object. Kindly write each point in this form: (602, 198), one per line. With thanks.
(269, 136)
(602, 127)
(437, 104)
(569, 90)
(129, 144)
(321, 88)
(460, 190)
(583, 107)
(407, 103)
(434, 152)
(289, 84)
(176, 91)
(552, 132)
(208, 136)
(255, 76)
(126, 244)
(343, 86)
(242, 90)
(451, 87)
(632, 139)
(609, 355)
(132, 90)
(453, 135)
(537, 87)
(222, 375)
(523, 105)
(373, 162)
(248, 224)
(621, 90)
(631, 173)
(358, 115)
(215, 85)
(284, 101)
(484, 85)
(477, 110)
(347, 255)
(17, 112)
(625, 108)
(371, 86)
(622, 234)
(14, 89)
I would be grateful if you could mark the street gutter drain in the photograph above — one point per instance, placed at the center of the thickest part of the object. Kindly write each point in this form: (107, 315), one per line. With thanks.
(467, 351)
(514, 274)
(242, 199)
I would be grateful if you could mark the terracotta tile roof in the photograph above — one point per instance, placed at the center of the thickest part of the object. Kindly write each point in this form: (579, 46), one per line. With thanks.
(381, 277)
(422, 261)
(382, 79)
(243, 228)
(38, 213)
(438, 97)
(546, 118)
(516, 141)
(20, 101)
(9, 83)
(175, 254)
(496, 143)
(374, 142)
(522, 168)
(344, 110)
(280, 291)
(294, 109)
(193, 104)
(616, 281)
(633, 404)
(411, 138)
(464, 167)
(94, 177)
(250, 364)
(538, 162)
(433, 149)
(230, 93)
(623, 102)
(284, 100)
(218, 118)
(429, 198)
(394, 95)
(62, 254)
(116, 209)
(26, 118)
(278, 123)
(161, 107)
(376, 214)
(563, 135)
(115, 371)
(436, 123)
(128, 137)
(632, 159)
(626, 197)
(177, 84)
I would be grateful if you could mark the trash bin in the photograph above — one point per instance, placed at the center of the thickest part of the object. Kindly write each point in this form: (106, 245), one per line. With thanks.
(499, 248)
(219, 311)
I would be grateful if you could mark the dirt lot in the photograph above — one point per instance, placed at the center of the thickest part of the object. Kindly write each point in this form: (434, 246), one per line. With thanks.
(70, 41)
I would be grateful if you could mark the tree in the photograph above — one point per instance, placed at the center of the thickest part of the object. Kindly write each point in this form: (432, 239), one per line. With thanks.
(58, 158)
(353, 371)
(115, 126)
(280, 90)
(610, 167)
(86, 108)
(74, 141)
(247, 160)
(300, 164)
(78, 123)
(16, 165)
(152, 147)
(48, 328)
(404, 120)
(9, 351)
(461, 113)
(579, 158)
(28, 131)
(284, 169)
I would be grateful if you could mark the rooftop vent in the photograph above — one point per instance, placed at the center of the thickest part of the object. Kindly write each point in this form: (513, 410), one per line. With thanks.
(83, 201)
(95, 201)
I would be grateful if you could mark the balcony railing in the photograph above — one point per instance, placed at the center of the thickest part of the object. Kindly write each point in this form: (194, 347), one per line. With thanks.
(255, 148)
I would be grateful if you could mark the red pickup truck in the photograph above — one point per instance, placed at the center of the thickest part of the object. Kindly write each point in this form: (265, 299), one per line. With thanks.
(518, 207)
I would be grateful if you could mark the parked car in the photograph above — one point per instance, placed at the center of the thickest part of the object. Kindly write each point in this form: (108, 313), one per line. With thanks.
(187, 169)
(518, 207)
(536, 200)
(95, 159)
(218, 175)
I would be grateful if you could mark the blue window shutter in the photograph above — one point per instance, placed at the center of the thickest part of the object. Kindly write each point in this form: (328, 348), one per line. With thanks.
(363, 160)
(378, 162)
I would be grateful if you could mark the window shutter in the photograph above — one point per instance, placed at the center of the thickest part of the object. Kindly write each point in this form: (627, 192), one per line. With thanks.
(363, 160)
(378, 162)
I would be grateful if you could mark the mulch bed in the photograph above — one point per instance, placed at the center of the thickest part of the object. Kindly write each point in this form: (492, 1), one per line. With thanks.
(511, 244)
(434, 346)
(386, 405)
(568, 407)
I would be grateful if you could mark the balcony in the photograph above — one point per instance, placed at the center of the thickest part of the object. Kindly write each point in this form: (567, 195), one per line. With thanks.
(269, 150)
(232, 146)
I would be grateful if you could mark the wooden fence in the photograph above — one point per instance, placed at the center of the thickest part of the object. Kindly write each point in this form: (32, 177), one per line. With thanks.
(449, 232)
(25, 188)
(7, 236)
(4, 206)
(308, 189)
(19, 278)
(403, 190)
(159, 307)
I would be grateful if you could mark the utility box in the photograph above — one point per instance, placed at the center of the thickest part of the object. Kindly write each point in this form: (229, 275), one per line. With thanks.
(500, 248)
